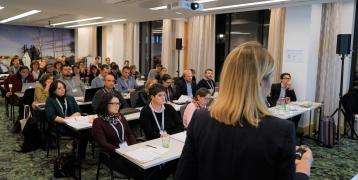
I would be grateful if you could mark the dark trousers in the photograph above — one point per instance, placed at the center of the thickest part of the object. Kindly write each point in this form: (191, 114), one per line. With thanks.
(82, 138)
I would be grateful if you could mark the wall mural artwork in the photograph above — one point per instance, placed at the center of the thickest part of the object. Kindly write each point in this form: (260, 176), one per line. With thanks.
(48, 43)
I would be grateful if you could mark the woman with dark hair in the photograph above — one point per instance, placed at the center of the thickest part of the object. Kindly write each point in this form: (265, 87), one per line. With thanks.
(59, 107)
(143, 95)
(93, 73)
(42, 89)
(200, 100)
(57, 69)
(133, 71)
(111, 131)
(35, 70)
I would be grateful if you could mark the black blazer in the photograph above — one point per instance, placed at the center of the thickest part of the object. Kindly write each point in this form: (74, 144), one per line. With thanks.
(205, 83)
(214, 150)
(275, 94)
(180, 88)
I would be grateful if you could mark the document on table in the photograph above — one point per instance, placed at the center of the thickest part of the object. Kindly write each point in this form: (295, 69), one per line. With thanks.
(143, 155)
(179, 136)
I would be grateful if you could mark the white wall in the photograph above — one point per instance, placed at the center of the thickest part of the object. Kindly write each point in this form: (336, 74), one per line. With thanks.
(85, 42)
(302, 33)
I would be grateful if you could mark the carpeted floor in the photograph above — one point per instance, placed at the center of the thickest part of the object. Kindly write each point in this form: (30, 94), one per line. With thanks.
(340, 162)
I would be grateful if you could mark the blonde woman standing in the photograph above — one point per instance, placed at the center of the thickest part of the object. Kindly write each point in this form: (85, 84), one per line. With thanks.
(238, 138)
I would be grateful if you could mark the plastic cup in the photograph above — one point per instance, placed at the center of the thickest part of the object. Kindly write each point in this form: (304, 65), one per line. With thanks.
(165, 140)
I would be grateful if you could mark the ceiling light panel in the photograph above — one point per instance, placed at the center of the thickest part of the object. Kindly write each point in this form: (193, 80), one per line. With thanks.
(29, 13)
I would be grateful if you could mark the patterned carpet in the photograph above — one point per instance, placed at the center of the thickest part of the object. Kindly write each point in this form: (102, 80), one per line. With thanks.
(340, 162)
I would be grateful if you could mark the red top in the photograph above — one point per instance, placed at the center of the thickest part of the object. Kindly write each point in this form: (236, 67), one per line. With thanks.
(15, 80)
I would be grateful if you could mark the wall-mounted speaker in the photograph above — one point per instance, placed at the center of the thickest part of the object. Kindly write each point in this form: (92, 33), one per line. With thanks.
(343, 44)
(179, 44)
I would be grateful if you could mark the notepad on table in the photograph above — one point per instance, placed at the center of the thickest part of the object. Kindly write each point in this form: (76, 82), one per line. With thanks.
(142, 155)
(179, 136)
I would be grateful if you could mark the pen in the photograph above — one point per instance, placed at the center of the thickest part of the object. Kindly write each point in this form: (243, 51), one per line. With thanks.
(151, 146)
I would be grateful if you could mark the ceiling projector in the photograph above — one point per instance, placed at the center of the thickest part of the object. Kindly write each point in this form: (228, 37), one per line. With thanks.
(185, 5)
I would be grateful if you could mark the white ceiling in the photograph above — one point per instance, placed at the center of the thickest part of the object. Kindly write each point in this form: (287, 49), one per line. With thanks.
(133, 10)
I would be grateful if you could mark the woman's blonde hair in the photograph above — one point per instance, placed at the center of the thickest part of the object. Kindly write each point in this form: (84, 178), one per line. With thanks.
(149, 83)
(240, 97)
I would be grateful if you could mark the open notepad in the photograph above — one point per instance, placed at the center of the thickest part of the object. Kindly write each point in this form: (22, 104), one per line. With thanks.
(179, 136)
(146, 154)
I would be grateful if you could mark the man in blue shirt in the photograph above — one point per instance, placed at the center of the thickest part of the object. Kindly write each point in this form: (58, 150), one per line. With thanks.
(185, 85)
(98, 81)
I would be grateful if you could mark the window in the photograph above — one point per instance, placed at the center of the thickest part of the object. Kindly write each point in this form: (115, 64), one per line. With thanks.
(150, 45)
(235, 29)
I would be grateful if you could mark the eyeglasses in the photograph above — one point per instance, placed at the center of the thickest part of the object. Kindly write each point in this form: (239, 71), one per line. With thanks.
(117, 104)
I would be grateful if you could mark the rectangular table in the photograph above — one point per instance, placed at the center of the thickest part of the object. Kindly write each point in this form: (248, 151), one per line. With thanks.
(174, 152)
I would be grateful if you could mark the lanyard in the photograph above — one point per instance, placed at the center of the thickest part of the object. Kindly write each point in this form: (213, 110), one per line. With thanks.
(63, 112)
(115, 129)
(156, 120)
(210, 84)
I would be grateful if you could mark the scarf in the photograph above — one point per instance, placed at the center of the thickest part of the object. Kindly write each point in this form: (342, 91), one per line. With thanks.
(113, 118)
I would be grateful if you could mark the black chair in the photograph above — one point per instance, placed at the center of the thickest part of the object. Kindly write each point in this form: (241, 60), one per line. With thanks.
(54, 133)
(105, 158)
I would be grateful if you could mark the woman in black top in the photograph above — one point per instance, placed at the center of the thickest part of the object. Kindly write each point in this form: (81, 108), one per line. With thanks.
(157, 117)
(59, 107)
(238, 138)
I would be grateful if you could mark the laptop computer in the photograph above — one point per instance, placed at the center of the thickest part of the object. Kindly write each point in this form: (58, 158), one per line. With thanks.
(27, 86)
(89, 94)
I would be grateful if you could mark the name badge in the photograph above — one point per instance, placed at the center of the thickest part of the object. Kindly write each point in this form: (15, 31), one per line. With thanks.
(123, 144)
(74, 90)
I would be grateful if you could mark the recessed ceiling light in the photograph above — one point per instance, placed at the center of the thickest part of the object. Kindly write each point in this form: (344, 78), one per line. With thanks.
(80, 20)
(1, 7)
(96, 23)
(244, 5)
(204, 1)
(29, 13)
(158, 8)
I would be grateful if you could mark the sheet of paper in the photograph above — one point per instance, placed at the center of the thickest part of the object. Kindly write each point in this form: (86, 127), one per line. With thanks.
(142, 155)
(179, 136)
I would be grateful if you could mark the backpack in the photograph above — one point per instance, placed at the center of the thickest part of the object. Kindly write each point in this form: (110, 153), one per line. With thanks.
(31, 134)
(65, 165)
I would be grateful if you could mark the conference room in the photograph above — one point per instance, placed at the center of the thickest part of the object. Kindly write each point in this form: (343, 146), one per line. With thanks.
(178, 89)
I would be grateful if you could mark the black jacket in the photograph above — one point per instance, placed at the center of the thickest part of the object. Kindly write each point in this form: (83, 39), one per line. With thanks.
(275, 94)
(172, 122)
(214, 150)
(180, 88)
(205, 83)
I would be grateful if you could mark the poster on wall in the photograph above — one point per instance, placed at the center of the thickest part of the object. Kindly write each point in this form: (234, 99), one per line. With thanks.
(48, 43)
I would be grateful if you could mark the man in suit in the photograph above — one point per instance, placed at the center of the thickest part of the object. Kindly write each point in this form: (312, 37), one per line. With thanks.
(185, 85)
(283, 90)
(208, 82)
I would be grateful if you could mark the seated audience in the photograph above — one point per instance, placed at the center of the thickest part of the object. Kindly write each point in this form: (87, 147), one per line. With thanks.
(59, 106)
(200, 100)
(35, 71)
(238, 138)
(57, 69)
(98, 81)
(208, 81)
(22, 76)
(83, 70)
(76, 72)
(167, 82)
(161, 73)
(126, 63)
(41, 89)
(158, 117)
(185, 85)
(42, 63)
(96, 62)
(14, 65)
(126, 83)
(111, 131)
(49, 70)
(193, 74)
(115, 71)
(107, 61)
(4, 69)
(133, 71)
(75, 86)
(93, 73)
(107, 88)
(143, 95)
(153, 72)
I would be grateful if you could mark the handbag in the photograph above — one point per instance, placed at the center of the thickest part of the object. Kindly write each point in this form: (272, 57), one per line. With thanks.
(27, 115)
